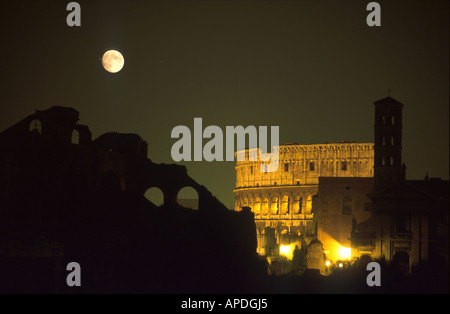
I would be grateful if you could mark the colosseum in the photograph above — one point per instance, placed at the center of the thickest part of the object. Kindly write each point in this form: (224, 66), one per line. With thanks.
(282, 200)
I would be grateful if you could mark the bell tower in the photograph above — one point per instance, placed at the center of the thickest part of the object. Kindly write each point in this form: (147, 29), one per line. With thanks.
(388, 167)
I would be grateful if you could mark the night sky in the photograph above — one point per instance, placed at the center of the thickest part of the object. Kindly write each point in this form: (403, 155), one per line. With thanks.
(314, 68)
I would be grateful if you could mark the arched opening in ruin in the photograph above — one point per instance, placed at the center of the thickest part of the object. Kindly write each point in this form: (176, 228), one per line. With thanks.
(155, 195)
(285, 205)
(36, 127)
(274, 205)
(257, 206)
(75, 137)
(245, 202)
(188, 197)
(297, 206)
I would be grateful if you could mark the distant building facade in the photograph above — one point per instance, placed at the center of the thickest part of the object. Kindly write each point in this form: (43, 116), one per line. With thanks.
(341, 203)
(406, 214)
(353, 198)
(387, 216)
(282, 201)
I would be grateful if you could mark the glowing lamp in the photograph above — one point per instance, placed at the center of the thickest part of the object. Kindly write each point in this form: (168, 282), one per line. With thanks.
(345, 253)
(287, 250)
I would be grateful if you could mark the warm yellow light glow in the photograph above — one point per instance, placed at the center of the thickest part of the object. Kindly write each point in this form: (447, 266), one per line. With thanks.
(287, 250)
(340, 265)
(333, 249)
(327, 263)
(345, 253)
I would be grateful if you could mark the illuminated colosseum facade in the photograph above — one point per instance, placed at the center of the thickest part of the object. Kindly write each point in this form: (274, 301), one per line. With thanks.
(282, 200)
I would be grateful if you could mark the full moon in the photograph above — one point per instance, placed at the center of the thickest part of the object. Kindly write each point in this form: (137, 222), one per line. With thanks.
(113, 61)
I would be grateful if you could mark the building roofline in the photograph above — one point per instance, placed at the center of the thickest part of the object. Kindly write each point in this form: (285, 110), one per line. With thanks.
(300, 146)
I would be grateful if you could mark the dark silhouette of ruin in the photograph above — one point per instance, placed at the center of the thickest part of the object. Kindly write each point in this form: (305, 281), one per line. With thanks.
(67, 198)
